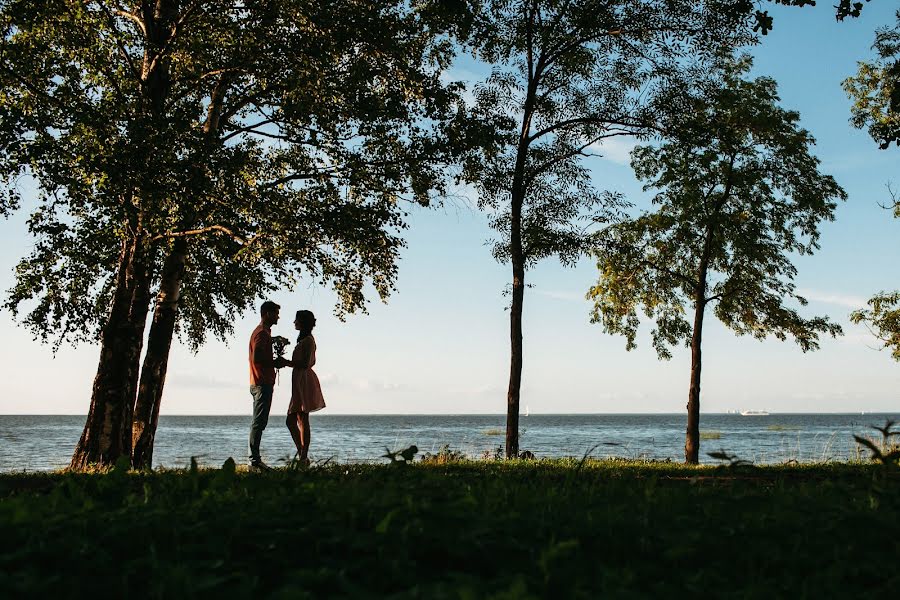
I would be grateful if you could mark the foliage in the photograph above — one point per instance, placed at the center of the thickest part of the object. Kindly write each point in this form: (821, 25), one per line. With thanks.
(763, 22)
(738, 192)
(405, 456)
(888, 453)
(444, 455)
(845, 8)
(883, 319)
(875, 89)
(609, 529)
(282, 140)
(566, 76)
(731, 460)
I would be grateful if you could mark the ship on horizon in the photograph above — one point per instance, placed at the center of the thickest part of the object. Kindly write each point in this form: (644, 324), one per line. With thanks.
(754, 413)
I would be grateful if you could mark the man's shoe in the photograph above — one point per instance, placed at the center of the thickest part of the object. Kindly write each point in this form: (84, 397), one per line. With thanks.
(259, 467)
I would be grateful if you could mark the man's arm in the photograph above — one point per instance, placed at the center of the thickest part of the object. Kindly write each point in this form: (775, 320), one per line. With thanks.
(262, 350)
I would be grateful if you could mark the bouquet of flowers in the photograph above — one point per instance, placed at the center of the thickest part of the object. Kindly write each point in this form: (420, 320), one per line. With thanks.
(279, 343)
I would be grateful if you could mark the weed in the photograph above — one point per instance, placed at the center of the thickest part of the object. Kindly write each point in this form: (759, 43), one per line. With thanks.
(494, 454)
(733, 460)
(401, 457)
(443, 456)
(888, 452)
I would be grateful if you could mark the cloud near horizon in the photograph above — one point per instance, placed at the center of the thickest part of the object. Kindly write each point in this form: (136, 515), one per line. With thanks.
(837, 299)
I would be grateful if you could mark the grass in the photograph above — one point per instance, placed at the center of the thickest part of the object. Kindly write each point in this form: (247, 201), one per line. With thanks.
(493, 432)
(777, 427)
(460, 529)
(710, 435)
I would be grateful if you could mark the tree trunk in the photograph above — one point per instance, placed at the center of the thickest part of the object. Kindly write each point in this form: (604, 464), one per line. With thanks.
(692, 435)
(517, 258)
(165, 316)
(515, 364)
(107, 432)
(159, 342)
(692, 438)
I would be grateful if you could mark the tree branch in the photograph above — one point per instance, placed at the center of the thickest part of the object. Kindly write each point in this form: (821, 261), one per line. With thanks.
(533, 173)
(173, 34)
(133, 18)
(220, 229)
(592, 120)
(111, 19)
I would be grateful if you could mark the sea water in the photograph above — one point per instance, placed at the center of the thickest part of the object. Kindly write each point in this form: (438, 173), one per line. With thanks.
(42, 442)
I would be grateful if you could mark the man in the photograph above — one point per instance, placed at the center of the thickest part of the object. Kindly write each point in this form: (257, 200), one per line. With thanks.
(262, 379)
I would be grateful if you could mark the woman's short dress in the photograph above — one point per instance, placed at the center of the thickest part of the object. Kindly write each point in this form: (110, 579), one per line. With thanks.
(306, 392)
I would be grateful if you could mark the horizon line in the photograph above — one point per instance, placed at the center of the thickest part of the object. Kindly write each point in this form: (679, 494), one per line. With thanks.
(543, 414)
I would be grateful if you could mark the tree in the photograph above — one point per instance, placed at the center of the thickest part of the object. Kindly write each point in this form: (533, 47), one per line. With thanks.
(738, 191)
(566, 76)
(211, 151)
(875, 91)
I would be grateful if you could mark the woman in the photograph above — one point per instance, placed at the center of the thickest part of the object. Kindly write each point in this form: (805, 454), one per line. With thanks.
(306, 393)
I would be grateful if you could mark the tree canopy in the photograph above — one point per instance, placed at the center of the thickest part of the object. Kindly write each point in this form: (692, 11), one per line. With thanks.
(321, 128)
(875, 89)
(736, 176)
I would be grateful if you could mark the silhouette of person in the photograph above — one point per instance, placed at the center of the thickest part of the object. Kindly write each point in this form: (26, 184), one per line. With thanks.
(262, 379)
(306, 392)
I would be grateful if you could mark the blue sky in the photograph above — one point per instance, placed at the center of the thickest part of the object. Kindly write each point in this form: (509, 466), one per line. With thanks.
(441, 344)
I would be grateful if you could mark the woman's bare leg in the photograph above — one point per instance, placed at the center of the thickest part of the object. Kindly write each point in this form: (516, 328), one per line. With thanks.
(293, 425)
(305, 436)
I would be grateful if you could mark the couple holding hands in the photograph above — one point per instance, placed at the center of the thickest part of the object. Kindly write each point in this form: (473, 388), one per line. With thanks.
(306, 393)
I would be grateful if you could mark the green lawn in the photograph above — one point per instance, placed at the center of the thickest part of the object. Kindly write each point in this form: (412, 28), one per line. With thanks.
(462, 530)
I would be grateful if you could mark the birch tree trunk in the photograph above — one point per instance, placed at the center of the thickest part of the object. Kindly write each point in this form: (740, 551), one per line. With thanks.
(107, 432)
(159, 343)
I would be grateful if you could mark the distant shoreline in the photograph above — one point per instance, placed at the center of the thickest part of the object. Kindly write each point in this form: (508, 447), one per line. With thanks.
(533, 414)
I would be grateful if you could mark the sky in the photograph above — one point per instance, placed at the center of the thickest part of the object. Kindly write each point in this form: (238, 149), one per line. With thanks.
(441, 343)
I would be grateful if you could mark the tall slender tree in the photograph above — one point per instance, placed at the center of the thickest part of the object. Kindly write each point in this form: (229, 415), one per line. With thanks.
(567, 75)
(738, 192)
(211, 151)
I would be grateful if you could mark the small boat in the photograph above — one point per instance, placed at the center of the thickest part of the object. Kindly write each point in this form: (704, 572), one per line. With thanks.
(754, 413)
(526, 411)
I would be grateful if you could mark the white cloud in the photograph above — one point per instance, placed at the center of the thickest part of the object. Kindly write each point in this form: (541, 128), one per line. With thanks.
(367, 385)
(561, 295)
(837, 299)
(615, 149)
